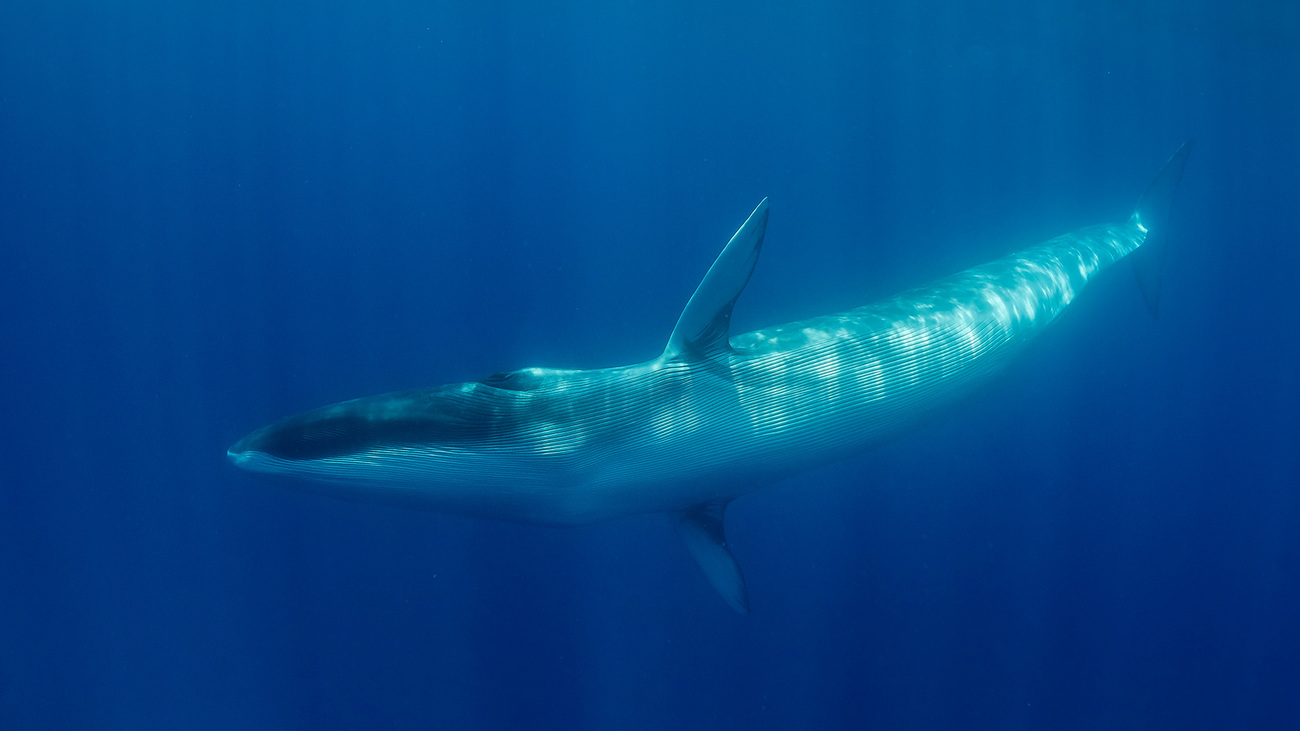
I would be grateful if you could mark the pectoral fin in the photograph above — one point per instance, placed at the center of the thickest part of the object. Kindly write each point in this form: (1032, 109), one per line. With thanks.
(701, 528)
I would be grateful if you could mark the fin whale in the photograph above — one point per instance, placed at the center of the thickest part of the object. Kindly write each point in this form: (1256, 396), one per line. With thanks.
(715, 415)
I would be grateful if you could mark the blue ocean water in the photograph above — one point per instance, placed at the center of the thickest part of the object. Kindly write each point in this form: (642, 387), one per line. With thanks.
(217, 214)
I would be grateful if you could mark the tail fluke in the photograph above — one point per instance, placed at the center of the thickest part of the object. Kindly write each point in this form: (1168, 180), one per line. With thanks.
(1152, 216)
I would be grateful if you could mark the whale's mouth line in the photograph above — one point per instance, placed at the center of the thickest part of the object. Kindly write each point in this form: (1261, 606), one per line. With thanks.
(250, 460)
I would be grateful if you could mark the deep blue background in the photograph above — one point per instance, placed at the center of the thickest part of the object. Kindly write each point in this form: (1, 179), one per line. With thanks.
(214, 214)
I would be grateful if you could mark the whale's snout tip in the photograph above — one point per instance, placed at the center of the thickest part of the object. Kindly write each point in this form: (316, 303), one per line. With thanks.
(239, 452)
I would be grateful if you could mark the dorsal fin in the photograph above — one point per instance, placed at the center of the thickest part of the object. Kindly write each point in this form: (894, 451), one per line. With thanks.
(704, 326)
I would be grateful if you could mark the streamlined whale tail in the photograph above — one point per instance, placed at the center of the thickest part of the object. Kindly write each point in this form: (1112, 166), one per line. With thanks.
(1152, 216)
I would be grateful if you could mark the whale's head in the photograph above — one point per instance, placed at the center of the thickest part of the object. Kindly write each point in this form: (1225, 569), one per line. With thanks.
(431, 419)
(455, 447)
